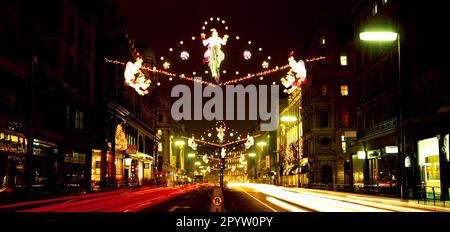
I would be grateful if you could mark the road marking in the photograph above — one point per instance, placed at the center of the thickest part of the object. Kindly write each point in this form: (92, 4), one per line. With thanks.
(260, 201)
(284, 205)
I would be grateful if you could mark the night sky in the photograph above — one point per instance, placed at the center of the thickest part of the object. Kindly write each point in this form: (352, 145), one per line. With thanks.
(276, 26)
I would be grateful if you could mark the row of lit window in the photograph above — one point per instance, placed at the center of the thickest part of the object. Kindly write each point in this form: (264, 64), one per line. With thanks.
(324, 90)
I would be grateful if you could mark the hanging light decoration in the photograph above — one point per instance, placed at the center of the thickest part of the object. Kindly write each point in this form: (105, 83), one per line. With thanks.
(192, 144)
(265, 64)
(296, 75)
(166, 65)
(221, 133)
(247, 55)
(184, 55)
(135, 78)
(250, 141)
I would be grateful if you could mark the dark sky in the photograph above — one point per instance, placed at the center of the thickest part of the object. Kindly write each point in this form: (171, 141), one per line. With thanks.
(277, 26)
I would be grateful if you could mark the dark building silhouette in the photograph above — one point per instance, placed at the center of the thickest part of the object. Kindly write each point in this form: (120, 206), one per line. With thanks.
(403, 100)
(55, 78)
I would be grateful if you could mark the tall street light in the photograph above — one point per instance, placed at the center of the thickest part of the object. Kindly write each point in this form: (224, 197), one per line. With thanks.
(180, 144)
(387, 36)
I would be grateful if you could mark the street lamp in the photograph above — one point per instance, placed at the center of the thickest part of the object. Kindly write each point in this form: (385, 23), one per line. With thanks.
(386, 36)
(288, 119)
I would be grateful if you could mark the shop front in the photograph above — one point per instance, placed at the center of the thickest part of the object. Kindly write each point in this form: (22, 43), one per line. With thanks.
(74, 170)
(430, 162)
(45, 164)
(13, 150)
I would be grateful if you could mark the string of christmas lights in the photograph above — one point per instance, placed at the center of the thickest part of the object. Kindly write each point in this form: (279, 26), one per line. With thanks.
(249, 76)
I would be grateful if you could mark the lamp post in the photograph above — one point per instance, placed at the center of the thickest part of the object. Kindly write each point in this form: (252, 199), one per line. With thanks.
(386, 37)
(180, 144)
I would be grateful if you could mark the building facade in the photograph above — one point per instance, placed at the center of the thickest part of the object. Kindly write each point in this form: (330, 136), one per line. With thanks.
(328, 103)
(403, 106)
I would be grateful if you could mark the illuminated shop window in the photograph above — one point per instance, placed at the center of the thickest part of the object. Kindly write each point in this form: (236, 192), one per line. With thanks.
(343, 60)
(344, 90)
(322, 40)
(429, 161)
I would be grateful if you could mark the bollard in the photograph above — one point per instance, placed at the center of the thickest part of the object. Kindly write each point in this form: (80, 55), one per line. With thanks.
(217, 200)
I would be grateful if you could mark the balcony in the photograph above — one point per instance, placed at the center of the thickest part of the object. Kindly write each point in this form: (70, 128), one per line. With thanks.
(379, 128)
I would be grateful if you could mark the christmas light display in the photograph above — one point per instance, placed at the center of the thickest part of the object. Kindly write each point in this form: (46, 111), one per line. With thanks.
(184, 55)
(214, 56)
(247, 55)
(221, 133)
(265, 64)
(166, 65)
(223, 152)
(296, 75)
(192, 144)
(250, 141)
(135, 78)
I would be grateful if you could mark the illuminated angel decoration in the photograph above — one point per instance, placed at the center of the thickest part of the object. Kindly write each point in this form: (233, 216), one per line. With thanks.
(135, 78)
(192, 143)
(296, 75)
(221, 133)
(205, 159)
(250, 141)
(214, 56)
(241, 158)
(223, 152)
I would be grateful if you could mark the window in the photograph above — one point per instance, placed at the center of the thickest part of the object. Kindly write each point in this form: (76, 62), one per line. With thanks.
(323, 119)
(344, 90)
(345, 118)
(343, 60)
(375, 9)
(79, 118)
(323, 90)
(322, 40)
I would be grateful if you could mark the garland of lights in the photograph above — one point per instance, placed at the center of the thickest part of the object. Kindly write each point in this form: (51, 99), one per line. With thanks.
(249, 76)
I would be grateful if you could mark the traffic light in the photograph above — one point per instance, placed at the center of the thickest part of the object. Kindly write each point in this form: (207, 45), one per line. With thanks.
(133, 166)
(222, 163)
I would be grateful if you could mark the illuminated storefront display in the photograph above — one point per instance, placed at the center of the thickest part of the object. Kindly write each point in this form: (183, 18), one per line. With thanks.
(429, 162)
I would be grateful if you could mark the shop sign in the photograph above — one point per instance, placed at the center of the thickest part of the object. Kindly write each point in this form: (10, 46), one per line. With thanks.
(391, 149)
(131, 149)
(407, 162)
(267, 162)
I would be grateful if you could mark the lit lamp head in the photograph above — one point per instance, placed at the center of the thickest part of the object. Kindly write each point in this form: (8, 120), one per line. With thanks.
(288, 119)
(378, 36)
(191, 155)
(261, 144)
(252, 154)
(179, 143)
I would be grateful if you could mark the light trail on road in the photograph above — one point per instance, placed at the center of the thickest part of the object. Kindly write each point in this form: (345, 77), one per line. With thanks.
(330, 201)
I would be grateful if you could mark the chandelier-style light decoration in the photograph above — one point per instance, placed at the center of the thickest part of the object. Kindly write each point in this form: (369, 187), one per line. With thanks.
(265, 64)
(192, 143)
(250, 141)
(296, 76)
(214, 56)
(135, 78)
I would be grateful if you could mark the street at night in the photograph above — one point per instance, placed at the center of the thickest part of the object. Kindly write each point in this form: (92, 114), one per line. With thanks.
(179, 112)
